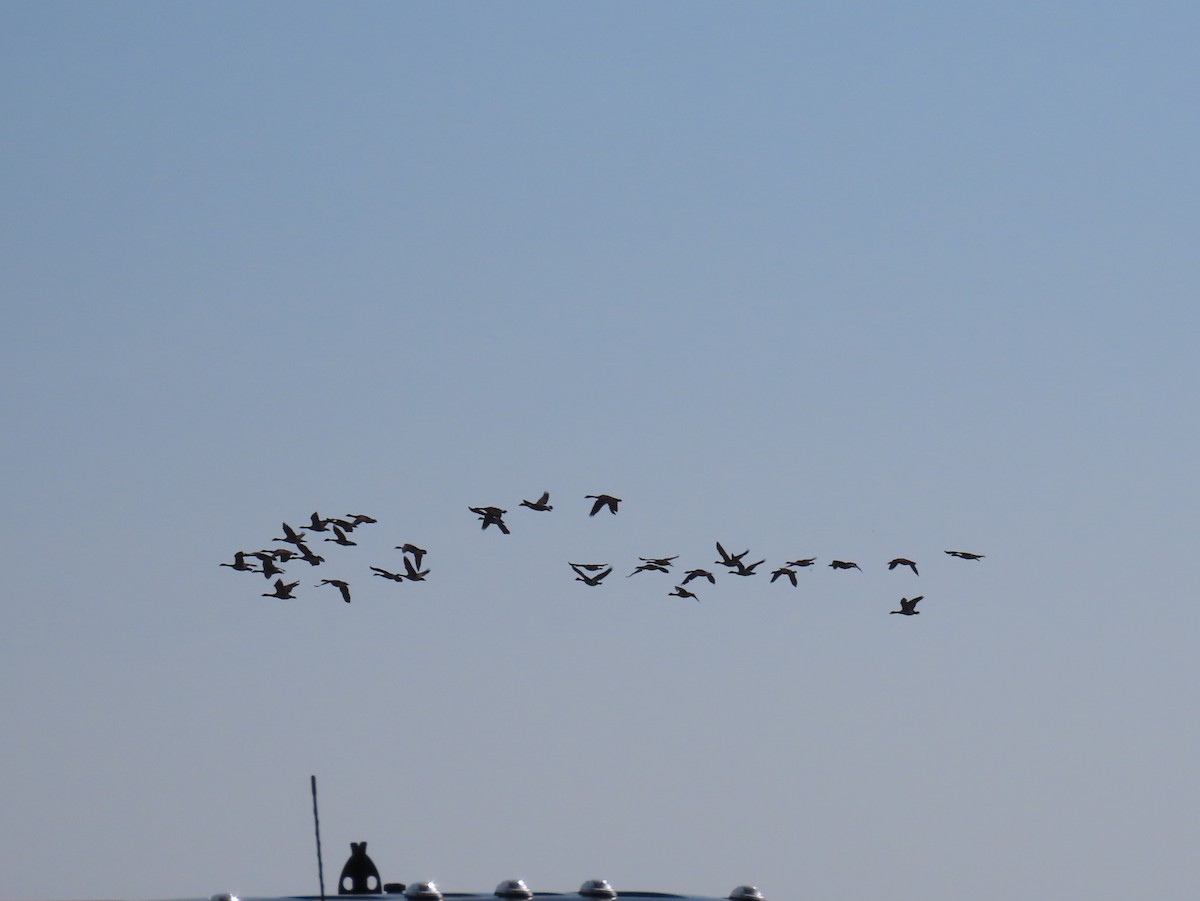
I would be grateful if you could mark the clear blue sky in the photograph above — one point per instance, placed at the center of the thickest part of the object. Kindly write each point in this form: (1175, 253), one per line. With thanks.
(847, 280)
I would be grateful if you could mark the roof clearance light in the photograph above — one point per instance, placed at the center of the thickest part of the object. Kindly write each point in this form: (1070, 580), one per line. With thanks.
(423, 891)
(745, 893)
(513, 888)
(597, 888)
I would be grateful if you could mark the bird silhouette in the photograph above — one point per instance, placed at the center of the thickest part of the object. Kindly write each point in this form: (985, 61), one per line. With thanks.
(318, 524)
(308, 556)
(361, 519)
(649, 567)
(282, 590)
(542, 503)
(966, 555)
(491, 516)
(581, 575)
(387, 574)
(681, 592)
(907, 607)
(699, 574)
(785, 571)
(268, 564)
(845, 564)
(661, 561)
(339, 537)
(291, 536)
(743, 569)
(807, 561)
(903, 561)
(728, 559)
(602, 501)
(418, 553)
(588, 566)
(412, 573)
(239, 563)
(341, 586)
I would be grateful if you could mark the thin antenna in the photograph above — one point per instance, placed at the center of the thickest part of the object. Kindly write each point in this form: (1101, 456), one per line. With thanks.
(317, 825)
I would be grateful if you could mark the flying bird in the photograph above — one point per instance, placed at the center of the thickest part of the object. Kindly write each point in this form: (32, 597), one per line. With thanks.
(412, 573)
(743, 569)
(318, 524)
(845, 564)
(418, 553)
(308, 556)
(282, 590)
(903, 561)
(360, 518)
(340, 538)
(681, 592)
(342, 586)
(239, 563)
(268, 564)
(966, 555)
(602, 501)
(649, 567)
(728, 559)
(582, 576)
(785, 571)
(807, 561)
(591, 567)
(542, 503)
(699, 574)
(291, 536)
(661, 561)
(907, 607)
(387, 574)
(491, 516)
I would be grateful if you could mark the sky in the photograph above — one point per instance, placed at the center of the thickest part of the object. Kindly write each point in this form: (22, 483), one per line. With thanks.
(843, 280)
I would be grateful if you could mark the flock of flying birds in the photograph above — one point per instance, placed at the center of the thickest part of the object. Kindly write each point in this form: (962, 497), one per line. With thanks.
(590, 574)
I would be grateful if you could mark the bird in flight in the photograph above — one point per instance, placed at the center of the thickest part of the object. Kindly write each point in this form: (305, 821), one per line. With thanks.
(903, 561)
(728, 559)
(542, 503)
(966, 555)
(602, 501)
(907, 607)
(807, 561)
(581, 575)
(386, 574)
(699, 574)
(291, 536)
(317, 524)
(359, 518)
(341, 585)
(743, 569)
(845, 564)
(591, 567)
(785, 571)
(418, 553)
(239, 563)
(282, 590)
(308, 556)
(661, 561)
(681, 592)
(268, 564)
(339, 537)
(412, 573)
(649, 567)
(491, 516)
